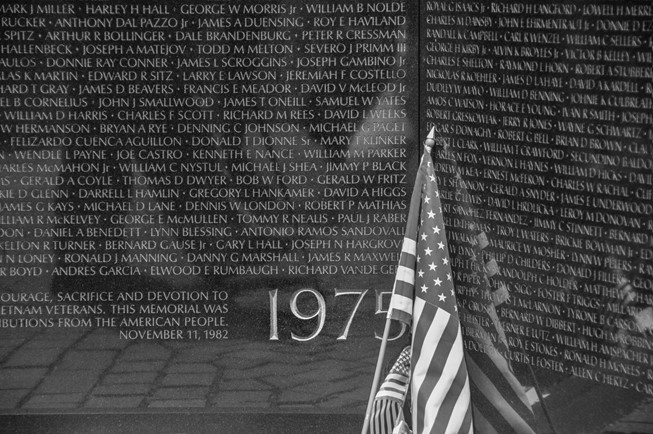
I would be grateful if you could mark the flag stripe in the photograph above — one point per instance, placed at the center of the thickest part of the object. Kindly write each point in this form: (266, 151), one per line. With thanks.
(396, 378)
(439, 378)
(463, 407)
(481, 424)
(406, 275)
(418, 364)
(397, 395)
(497, 370)
(496, 379)
(453, 401)
(384, 415)
(435, 377)
(401, 308)
(409, 246)
(394, 387)
(492, 394)
(488, 409)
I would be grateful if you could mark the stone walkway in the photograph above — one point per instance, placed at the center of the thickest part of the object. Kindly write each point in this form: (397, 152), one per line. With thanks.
(92, 369)
(48, 375)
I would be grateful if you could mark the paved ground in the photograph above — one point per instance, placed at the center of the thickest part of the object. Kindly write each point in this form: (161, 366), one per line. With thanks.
(89, 381)
(86, 369)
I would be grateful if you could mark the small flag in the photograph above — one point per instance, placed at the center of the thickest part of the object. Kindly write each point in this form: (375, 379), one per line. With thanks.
(389, 400)
(424, 297)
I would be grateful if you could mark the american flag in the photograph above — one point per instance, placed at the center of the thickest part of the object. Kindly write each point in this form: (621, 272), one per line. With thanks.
(499, 401)
(424, 297)
(389, 400)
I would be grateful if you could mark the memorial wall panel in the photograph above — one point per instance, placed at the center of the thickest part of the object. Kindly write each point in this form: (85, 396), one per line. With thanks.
(202, 204)
(209, 194)
(543, 123)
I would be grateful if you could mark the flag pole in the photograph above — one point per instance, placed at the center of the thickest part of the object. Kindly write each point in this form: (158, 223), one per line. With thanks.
(377, 376)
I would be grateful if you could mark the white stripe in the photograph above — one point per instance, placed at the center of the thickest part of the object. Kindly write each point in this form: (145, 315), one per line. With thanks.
(409, 246)
(401, 303)
(483, 424)
(396, 376)
(406, 274)
(514, 383)
(449, 371)
(396, 396)
(460, 409)
(395, 380)
(498, 401)
(392, 387)
(502, 364)
(384, 415)
(418, 308)
(431, 341)
(396, 392)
